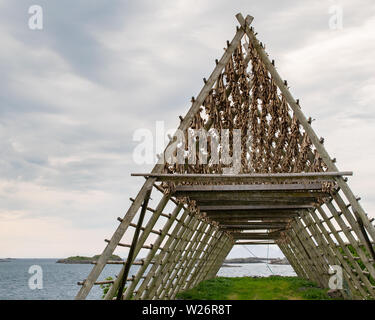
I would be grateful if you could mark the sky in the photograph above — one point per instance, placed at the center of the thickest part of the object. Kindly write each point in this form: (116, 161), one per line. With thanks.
(73, 94)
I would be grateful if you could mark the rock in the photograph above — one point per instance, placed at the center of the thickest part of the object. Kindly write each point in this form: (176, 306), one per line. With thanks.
(334, 294)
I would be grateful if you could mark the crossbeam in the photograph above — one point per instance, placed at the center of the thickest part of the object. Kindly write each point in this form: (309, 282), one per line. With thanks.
(255, 207)
(252, 227)
(250, 236)
(236, 178)
(253, 224)
(251, 187)
(218, 202)
(237, 243)
(226, 216)
(250, 195)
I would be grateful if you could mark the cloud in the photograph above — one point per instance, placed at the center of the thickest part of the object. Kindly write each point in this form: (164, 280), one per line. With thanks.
(72, 95)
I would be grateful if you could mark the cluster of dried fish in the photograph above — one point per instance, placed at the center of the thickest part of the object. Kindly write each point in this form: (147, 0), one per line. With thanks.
(245, 97)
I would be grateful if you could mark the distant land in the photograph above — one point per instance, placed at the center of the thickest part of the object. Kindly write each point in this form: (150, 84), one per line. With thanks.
(86, 260)
(280, 261)
(257, 260)
(6, 260)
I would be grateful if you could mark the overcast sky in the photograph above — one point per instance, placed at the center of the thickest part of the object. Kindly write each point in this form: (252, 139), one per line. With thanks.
(73, 93)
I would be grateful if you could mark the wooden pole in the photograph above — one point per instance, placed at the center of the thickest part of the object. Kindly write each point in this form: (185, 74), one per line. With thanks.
(140, 242)
(152, 252)
(169, 245)
(166, 263)
(194, 259)
(124, 275)
(185, 254)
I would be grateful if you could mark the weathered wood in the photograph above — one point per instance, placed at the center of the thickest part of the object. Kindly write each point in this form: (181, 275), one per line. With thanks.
(238, 195)
(194, 261)
(252, 236)
(334, 248)
(237, 243)
(219, 217)
(254, 225)
(237, 178)
(108, 251)
(245, 220)
(140, 242)
(307, 127)
(126, 245)
(235, 228)
(171, 258)
(124, 275)
(184, 256)
(181, 230)
(152, 253)
(282, 203)
(260, 224)
(80, 283)
(254, 207)
(261, 202)
(251, 187)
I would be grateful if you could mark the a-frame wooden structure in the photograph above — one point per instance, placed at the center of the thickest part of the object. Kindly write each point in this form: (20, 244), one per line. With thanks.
(288, 192)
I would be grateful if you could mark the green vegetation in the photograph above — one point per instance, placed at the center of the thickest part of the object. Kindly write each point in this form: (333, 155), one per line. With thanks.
(94, 258)
(82, 259)
(355, 255)
(105, 287)
(78, 258)
(248, 288)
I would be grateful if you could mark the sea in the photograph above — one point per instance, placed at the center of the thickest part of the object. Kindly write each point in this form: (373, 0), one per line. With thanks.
(58, 281)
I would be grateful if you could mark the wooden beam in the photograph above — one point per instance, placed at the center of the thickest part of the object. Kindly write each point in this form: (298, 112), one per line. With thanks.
(254, 212)
(248, 228)
(236, 178)
(220, 217)
(124, 275)
(251, 187)
(249, 236)
(252, 227)
(255, 207)
(253, 223)
(249, 195)
(254, 243)
(237, 221)
(258, 202)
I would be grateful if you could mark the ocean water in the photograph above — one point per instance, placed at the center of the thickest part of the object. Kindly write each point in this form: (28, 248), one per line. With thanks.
(60, 280)
(256, 269)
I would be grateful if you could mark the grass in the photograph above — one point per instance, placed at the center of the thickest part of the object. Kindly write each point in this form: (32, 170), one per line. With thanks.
(96, 257)
(248, 288)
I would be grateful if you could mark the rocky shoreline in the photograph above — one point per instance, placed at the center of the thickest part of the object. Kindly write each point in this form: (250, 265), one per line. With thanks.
(283, 261)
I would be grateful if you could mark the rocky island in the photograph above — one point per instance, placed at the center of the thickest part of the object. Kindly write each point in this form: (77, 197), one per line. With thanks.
(280, 261)
(86, 260)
